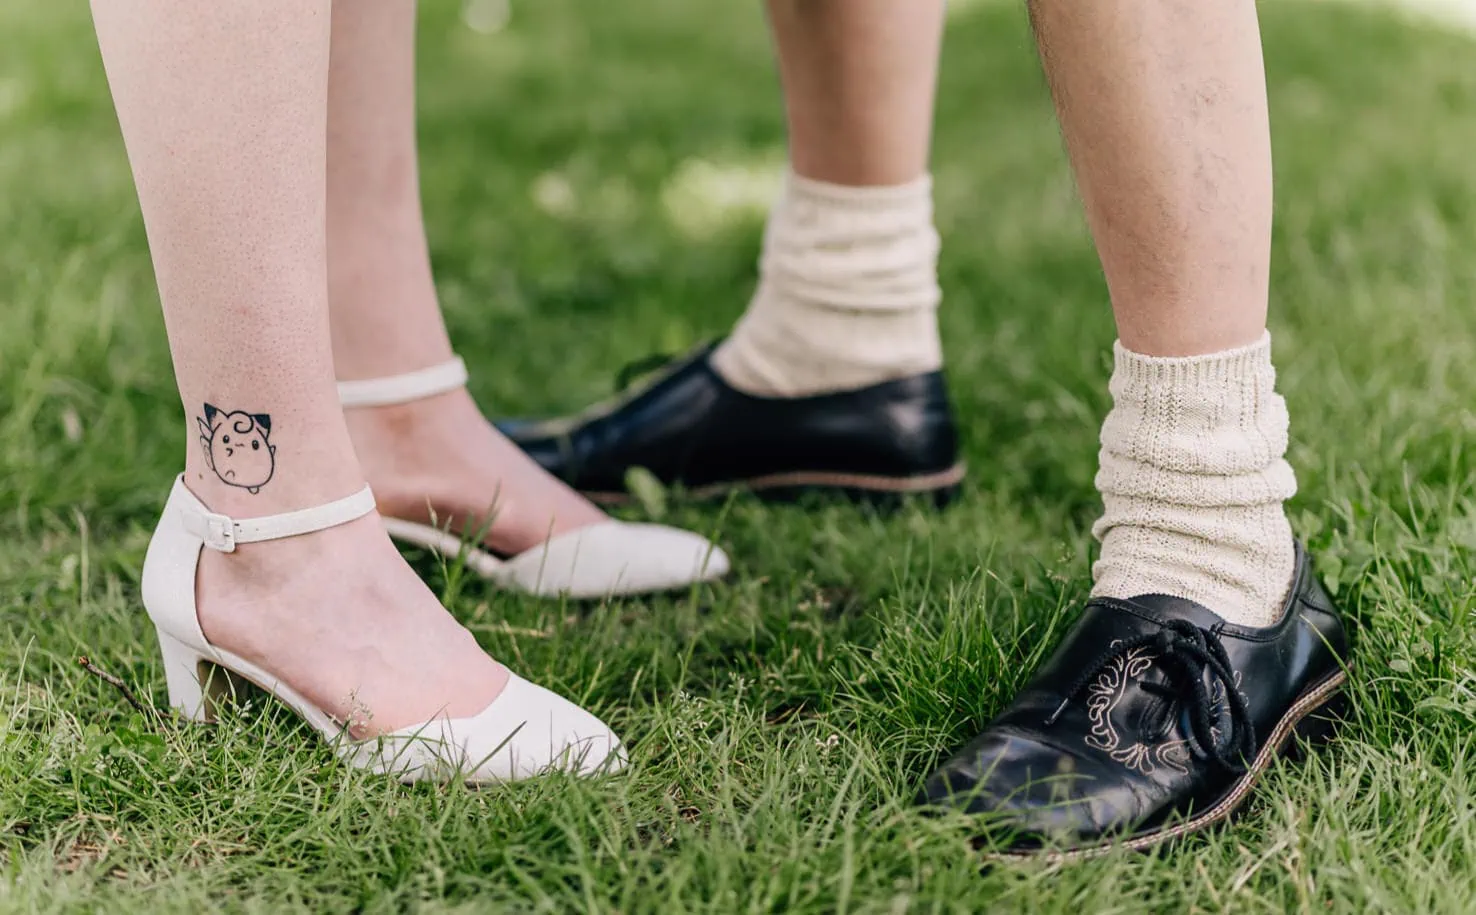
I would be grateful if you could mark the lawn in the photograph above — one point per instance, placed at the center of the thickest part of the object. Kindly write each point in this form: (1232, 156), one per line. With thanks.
(595, 176)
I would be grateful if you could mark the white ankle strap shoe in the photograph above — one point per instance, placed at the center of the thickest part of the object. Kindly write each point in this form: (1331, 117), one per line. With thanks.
(526, 731)
(609, 558)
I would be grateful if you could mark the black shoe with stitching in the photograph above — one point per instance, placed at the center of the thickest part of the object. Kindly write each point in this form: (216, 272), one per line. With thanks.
(1153, 719)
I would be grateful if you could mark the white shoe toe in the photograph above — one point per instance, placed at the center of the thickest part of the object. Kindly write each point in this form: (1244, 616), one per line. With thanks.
(617, 557)
(527, 731)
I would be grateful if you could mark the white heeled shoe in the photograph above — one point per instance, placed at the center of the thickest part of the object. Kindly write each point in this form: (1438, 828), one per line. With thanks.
(609, 558)
(527, 730)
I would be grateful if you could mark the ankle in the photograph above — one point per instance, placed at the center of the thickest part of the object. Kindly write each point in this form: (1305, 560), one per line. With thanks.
(407, 447)
(438, 460)
(247, 465)
(435, 418)
(425, 442)
(848, 295)
(1244, 582)
(238, 593)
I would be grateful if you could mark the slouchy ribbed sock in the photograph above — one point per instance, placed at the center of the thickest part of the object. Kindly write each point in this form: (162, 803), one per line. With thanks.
(848, 292)
(1193, 475)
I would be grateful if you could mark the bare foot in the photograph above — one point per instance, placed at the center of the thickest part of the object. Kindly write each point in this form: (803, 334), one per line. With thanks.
(440, 459)
(340, 617)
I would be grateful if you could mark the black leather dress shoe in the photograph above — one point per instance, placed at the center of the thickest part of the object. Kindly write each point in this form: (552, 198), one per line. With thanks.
(689, 428)
(1153, 719)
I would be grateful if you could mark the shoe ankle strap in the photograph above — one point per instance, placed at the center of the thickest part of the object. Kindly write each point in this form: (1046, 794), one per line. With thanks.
(223, 533)
(397, 389)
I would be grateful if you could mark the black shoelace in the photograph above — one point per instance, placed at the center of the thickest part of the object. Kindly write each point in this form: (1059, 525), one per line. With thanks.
(1185, 653)
(636, 369)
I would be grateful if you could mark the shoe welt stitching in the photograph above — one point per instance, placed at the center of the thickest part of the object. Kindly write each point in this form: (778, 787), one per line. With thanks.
(1310, 701)
(825, 479)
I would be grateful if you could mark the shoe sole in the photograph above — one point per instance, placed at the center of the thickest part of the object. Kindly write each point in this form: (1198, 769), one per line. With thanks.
(1302, 721)
(941, 487)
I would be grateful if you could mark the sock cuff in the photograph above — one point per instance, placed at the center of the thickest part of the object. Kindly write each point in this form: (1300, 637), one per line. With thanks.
(1233, 366)
(1216, 414)
(848, 291)
(857, 197)
(870, 249)
(1193, 475)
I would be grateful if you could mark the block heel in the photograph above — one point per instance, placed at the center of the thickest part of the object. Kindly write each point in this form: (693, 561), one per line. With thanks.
(524, 732)
(197, 686)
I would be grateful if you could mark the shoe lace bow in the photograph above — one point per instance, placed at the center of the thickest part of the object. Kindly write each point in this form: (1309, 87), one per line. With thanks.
(1185, 653)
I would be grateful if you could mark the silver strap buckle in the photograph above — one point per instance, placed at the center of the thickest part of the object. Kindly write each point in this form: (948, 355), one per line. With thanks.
(217, 531)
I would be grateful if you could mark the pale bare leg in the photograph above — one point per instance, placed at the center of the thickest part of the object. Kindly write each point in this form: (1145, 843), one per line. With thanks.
(438, 456)
(224, 111)
(859, 79)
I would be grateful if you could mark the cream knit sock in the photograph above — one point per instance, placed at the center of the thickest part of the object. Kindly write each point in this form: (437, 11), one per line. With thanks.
(1192, 478)
(848, 292)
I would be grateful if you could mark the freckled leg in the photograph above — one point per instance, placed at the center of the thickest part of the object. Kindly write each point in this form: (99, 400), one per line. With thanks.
(232, 196)
(224, 111)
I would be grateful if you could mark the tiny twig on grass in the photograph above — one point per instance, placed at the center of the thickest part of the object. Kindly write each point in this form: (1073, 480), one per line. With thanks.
(117, 684)
(165, 719)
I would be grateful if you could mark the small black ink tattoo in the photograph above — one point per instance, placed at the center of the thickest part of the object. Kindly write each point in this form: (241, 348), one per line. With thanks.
(236, 447)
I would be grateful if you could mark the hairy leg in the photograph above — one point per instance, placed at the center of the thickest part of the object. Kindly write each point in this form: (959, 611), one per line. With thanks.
(1163, 108)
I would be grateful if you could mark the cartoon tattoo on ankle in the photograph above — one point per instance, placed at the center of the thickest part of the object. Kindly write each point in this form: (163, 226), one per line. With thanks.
(236, 447)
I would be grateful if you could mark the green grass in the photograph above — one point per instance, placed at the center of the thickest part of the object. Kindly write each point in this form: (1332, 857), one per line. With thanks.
(780, 721)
